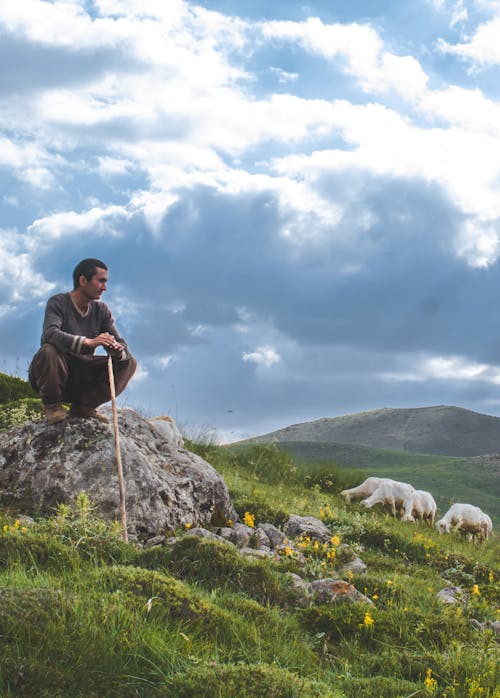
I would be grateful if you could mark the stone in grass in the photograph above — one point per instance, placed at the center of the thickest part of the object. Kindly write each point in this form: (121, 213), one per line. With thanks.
(307, 526)
(325, 591)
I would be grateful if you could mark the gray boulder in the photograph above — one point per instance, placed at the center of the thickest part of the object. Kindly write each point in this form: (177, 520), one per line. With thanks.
(166, 485)
(307, 526)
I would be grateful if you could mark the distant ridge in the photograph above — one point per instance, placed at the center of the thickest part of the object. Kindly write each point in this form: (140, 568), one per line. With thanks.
(439, 430)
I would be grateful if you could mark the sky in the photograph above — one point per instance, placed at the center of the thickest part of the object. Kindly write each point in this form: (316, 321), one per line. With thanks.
(299, 204)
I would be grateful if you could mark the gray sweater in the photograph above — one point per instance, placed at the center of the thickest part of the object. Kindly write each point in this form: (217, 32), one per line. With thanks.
(65, 327)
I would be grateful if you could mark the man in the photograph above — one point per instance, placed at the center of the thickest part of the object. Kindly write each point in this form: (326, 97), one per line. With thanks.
(65, 369)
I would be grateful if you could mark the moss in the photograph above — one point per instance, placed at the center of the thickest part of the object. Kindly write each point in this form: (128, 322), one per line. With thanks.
(380, 686)
(32, 548)
(245, 681)
(219, 565)
(163, 595)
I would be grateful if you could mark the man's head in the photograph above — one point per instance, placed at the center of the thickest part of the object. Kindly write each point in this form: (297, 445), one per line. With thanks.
(87, 268)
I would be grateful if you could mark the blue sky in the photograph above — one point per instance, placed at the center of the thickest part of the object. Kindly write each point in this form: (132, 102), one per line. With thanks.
(299, 204)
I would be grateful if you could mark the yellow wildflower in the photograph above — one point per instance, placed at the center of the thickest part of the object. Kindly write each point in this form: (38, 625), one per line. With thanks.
(249, 519)
(375, 596)
(187, 526)
(429, 682)
(335, 540)
(475, 590)
(368, 620)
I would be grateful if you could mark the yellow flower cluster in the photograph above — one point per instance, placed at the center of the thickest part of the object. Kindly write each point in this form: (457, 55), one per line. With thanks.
(368, 620)
(430, 682)
(14, 528)
(475, 590)
(316, 549)
(249, 519)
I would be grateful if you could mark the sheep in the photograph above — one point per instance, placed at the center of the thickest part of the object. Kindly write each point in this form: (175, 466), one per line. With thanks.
(366, 488)
(486, 526)
(466, 519)
(423, 507)
(168, 429)
(394, 494)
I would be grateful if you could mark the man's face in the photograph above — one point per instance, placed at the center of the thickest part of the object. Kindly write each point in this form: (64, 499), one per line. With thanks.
(94, 288)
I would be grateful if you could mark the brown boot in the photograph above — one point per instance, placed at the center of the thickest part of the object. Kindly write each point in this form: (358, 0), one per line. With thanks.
(85, 412)
(54, 413)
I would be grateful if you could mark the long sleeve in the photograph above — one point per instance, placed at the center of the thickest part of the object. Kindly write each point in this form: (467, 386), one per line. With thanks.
(54, 322)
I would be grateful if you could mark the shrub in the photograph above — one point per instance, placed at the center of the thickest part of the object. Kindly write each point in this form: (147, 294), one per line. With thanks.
(13, 388)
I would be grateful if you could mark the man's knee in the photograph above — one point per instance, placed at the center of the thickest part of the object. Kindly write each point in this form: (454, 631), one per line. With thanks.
(124, 370)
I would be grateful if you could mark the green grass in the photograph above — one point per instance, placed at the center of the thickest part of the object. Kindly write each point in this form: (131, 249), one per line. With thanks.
(473, 480)
(83, 614)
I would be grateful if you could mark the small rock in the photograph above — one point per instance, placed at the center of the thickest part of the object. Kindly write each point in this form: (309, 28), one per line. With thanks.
(356, 566)
(452, 595)
(276, 537)
(156, 540)
(307, 526)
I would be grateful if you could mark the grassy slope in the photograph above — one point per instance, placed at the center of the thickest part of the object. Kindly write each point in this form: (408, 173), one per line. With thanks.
(474, 480)
(82, 614)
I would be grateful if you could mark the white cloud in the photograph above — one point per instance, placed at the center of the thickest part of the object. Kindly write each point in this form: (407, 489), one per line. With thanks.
(30, 162)
(263, 356)
(18, 279)
(483, 49)
(68, 223)
(376, 69)
(448, 368)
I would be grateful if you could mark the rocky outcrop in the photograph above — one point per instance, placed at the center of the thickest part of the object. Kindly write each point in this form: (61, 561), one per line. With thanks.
(167, 486)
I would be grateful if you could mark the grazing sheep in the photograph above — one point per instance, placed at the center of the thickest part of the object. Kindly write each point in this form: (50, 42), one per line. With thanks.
(366, 488)
(397, 495)
(423, 507)
(466, 519)
(486, 526)
(167, 427)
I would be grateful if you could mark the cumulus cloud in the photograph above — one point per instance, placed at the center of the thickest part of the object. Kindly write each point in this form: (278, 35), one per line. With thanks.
(482, 49)
(376, 69)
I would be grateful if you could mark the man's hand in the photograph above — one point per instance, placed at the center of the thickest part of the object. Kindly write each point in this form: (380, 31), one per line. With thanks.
(105, 340)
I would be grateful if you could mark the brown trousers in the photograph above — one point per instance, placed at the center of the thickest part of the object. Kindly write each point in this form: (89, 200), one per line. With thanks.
(59, 377)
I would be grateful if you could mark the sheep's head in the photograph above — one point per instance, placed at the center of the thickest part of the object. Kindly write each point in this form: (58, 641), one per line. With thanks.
(442, 526)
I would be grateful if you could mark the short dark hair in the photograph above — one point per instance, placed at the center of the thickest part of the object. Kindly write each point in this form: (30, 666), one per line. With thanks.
(87, 268)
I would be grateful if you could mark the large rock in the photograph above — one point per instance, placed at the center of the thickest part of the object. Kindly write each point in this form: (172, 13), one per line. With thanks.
(166, 486)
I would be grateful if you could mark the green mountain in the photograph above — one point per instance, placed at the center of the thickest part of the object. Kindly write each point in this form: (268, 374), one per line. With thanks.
(441, 430)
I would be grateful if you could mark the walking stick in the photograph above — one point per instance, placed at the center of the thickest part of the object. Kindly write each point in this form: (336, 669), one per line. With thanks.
(123, 511)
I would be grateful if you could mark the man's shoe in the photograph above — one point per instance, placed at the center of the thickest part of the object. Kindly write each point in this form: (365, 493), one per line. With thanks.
(85, 412)
(54, 413)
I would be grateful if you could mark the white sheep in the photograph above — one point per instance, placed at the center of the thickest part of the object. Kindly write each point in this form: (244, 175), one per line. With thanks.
(397, 495)
(168, 429)
(423, 507)
(366, 488)
(466, 519)
(486, 526)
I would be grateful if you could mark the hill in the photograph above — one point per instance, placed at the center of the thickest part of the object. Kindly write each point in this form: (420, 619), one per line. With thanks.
(440, 430)
(83, 614)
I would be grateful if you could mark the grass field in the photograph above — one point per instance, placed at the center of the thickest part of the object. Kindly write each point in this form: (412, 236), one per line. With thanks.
(83, 614)
(475, 480)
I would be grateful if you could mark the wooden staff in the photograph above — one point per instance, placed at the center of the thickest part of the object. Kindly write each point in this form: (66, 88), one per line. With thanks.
(123, 511)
